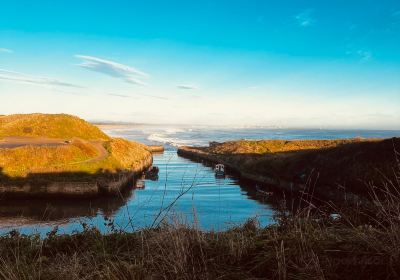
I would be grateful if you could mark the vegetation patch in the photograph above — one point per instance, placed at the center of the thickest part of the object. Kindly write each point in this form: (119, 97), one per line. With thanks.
(21, 161)
(78, 160)
(61, 126)
(362, 244)
(331, 165)
(85, 155)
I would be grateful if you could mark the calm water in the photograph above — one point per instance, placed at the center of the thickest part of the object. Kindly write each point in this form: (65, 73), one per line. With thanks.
(185, 190)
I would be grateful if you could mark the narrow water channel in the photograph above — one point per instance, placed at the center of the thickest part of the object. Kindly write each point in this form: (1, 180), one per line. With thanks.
(185, 192)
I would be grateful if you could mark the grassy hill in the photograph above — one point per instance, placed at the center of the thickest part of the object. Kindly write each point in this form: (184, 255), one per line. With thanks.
(276, 146)
(90, 153)
(61, 126)
(331, 165)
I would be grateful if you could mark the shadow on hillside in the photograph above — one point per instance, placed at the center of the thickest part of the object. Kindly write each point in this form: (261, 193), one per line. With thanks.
(328, 172)
(44, 178)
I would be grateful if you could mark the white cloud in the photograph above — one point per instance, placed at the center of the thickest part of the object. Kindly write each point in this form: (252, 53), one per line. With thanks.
(137, 95)
(113, 69)
(156, 96)
(4, 50)
(18, 77)
(187, 87)
(364, 55)
(304, 18)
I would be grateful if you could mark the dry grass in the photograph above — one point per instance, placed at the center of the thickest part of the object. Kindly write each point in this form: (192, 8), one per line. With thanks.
(128, 153)
(335, 165)
(277, 146)
(75, 157)
(305, 243)
(299, 246)
(23, 160)
(61, 126)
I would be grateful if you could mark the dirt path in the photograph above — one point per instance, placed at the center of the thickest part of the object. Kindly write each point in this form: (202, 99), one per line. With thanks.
(15, 142)
(103, 153)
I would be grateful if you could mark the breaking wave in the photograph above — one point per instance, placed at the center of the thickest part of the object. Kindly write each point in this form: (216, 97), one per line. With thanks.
(170, 140)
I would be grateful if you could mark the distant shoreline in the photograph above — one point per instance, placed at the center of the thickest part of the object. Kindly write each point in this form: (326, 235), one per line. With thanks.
(114, 126)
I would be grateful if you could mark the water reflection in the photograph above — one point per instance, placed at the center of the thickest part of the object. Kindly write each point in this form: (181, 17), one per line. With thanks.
(213, 202)
(56, 209)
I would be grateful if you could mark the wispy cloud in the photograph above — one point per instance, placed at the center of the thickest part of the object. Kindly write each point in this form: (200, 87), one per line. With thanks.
(4, 50)
(134, 95)
(187, 87)
(113, 69)
(305, 18)
(156, 96)
(120, 95)
(364, 55)
(18, 77)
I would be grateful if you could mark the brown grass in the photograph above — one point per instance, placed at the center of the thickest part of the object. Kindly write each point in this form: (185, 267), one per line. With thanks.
(75, 157)
(61, 126)
(363, 244)
(23, 160)
(305, 243)
(334, 165)
(277, 146)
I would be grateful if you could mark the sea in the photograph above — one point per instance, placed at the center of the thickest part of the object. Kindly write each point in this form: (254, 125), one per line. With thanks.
(185, 192)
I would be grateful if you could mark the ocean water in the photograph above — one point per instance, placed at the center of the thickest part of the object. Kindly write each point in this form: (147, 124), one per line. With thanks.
(185, 192)
(199, 136)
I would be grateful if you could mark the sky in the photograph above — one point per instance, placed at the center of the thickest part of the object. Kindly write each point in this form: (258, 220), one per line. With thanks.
(287, 64)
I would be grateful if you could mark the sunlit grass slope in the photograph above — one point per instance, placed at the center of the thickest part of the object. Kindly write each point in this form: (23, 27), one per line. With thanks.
(61, 126)
(346, 163)
(89, 152)
(276, 146)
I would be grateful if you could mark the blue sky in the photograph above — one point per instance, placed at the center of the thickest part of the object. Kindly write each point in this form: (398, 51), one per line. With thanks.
(328, 64)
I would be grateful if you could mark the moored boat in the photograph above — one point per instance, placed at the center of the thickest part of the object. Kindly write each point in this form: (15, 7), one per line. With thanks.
(219, 170)
(140, 184)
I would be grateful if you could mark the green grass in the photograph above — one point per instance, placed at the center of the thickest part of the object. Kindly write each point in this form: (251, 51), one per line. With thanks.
(61, 126)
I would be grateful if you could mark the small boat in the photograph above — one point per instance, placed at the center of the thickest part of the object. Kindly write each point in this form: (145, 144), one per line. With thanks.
(219, 170)
(262, 192)
(140, 184)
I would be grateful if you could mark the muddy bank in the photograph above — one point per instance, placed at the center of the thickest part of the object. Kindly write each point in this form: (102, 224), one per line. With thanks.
(49, 185)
